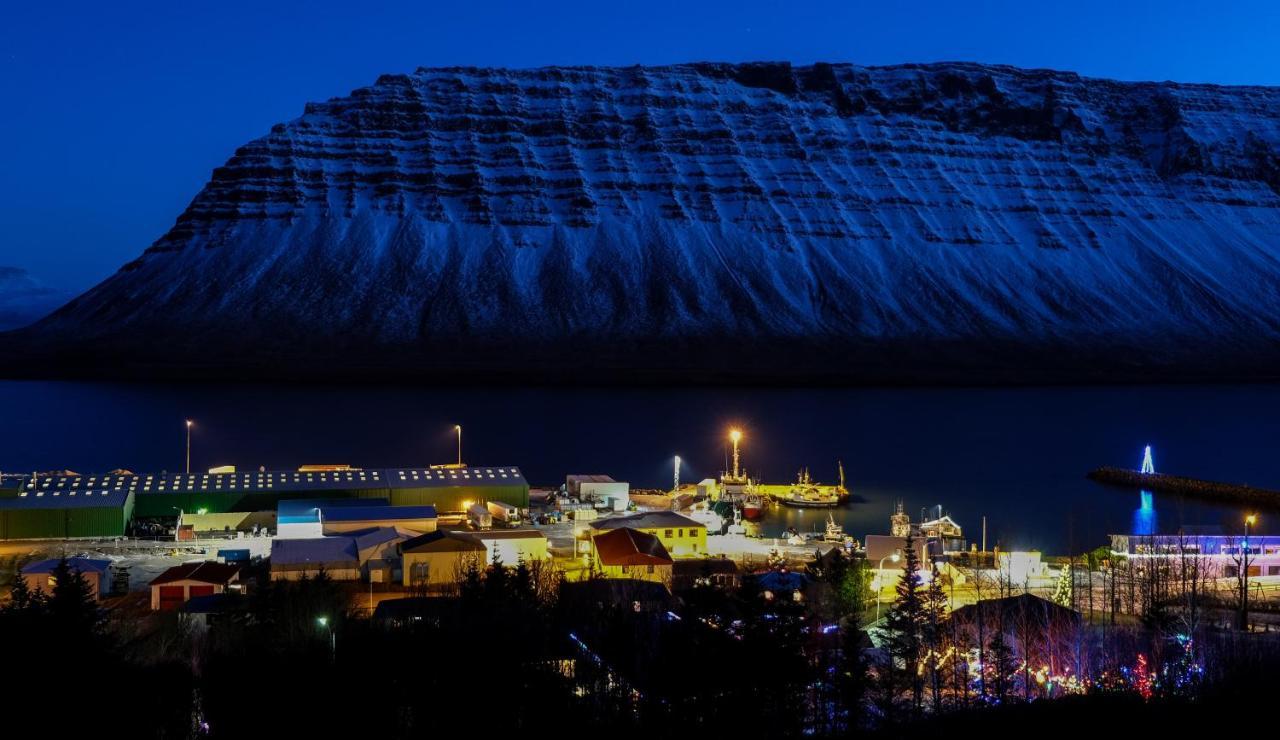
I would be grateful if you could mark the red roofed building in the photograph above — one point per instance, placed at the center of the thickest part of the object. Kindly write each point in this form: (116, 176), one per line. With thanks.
(630, 553)
(172, 588)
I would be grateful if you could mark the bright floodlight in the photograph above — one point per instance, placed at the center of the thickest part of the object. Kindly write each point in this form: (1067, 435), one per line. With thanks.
(322, 621)
(895, 557)
(1252, 519)
(190, 422)
(735, 435)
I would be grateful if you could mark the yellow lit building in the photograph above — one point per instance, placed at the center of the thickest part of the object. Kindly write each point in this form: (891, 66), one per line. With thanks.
(681, 536)
(626, 553)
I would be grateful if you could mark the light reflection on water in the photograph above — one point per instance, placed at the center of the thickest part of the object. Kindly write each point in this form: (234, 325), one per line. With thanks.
(1144, 517)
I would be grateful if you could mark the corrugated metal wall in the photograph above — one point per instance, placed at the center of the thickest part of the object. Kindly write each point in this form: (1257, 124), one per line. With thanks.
(451, 498)
(33, 524)
(222, 502)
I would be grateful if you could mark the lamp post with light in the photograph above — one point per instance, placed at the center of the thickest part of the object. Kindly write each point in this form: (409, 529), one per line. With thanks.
(894, 556)
(457, 428)
(1249, 521)
(735, 436)
(333, 639)
(190, 424)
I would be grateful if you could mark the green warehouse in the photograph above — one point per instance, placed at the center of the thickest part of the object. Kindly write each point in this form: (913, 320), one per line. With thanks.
(165, 495)
(65, 514)
(453, 489)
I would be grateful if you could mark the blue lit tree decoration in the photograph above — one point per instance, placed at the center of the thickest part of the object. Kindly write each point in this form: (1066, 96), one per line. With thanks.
(1148, 466)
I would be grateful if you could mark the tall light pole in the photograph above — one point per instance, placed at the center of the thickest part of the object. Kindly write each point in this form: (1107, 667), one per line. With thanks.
(675, 483)
(895, 556)
(735, 436)
(333, 639)
(1249, 521)
(458, 429)
(190, 424)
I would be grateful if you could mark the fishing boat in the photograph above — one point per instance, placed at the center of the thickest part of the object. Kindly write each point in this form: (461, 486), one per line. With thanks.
(809, 495)
(834, 532)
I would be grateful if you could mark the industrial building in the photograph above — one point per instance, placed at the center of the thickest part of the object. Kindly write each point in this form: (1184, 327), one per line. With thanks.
(96, 574)
(174, 587)
(600, 488)
(54, 506)
(65, 513)
(311, 518)
(680, 535)
(293, 559)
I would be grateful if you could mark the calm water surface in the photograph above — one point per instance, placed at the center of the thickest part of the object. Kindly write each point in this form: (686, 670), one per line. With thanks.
(1016, 456)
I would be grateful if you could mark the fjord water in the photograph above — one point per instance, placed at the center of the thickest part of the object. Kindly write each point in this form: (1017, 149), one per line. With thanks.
(1017, 456)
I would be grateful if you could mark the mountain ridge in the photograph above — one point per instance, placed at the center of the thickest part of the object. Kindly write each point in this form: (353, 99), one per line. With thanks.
(951, 222)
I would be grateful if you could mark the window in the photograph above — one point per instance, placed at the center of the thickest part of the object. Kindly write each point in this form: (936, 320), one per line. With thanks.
(668, 535)
(651, 569)
(1230, 571)
(1273, 570)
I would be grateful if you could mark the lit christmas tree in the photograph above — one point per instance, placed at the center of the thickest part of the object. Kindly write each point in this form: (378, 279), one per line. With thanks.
(1062, 594)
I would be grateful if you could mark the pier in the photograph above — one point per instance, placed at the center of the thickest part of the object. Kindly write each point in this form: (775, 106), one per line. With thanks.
(1229, 493)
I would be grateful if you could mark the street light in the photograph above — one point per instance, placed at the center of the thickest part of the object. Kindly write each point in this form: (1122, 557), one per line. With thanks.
(190, 424)
(333, 639)
(1249, 521)
(735, 436)
(458, 428)
(895, 556)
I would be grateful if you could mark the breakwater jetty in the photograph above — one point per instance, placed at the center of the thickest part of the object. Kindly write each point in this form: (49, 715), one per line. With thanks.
(1228, 493)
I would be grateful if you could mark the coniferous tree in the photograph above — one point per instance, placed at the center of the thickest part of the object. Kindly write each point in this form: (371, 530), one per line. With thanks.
(933, 632)
(903, 627)
(71, 605)
(21, 597)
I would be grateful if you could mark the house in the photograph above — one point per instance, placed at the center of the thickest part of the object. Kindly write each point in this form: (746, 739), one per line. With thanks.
(40, 575)
(631, 554)
(510, 546)
(438, 559)
(707, 572)
(781, 584)
(583, 597)
(201, 612)
(291, 559)
(174, 587)
(680, 535)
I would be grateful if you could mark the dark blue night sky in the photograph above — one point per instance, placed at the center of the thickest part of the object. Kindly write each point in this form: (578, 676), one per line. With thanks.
(115, 114)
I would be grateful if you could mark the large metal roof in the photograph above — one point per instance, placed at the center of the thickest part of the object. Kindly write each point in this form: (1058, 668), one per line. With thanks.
(284, 481)
(65, 498)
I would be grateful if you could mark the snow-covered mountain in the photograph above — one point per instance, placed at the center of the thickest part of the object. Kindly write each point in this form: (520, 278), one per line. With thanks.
(918, 222)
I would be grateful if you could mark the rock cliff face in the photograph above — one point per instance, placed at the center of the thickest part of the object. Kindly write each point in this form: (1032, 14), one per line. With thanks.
(923, 222)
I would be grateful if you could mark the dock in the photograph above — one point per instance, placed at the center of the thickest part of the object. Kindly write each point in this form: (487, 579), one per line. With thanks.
(1216, 491)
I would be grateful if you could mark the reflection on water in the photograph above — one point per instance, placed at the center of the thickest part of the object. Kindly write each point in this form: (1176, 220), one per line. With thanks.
(1144, 517)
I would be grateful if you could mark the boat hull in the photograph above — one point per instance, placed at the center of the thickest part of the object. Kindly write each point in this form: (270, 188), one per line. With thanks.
(810, 504)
